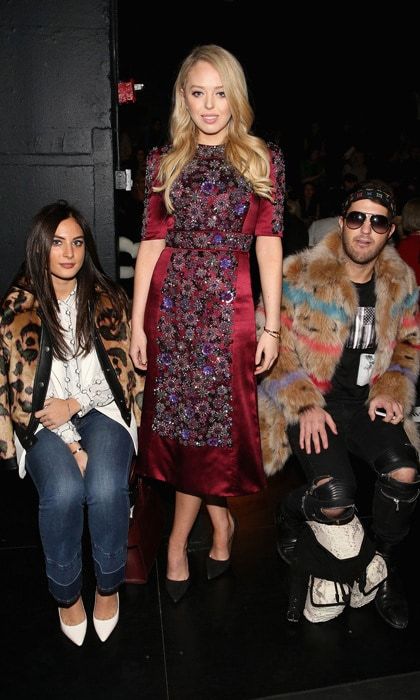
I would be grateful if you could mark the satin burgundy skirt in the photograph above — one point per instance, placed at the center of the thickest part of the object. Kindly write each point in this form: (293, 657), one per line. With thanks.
(199, 429)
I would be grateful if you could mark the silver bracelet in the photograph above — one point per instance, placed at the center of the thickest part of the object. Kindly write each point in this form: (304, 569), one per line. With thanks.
(78, 449)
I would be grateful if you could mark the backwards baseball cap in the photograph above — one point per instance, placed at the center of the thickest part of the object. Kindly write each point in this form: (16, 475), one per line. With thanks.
(370, 190)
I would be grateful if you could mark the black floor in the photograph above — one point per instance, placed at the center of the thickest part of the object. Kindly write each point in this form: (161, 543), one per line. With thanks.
(227, 640)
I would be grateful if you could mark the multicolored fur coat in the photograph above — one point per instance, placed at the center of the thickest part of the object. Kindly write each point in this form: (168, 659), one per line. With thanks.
(25, 366)
(318, 308)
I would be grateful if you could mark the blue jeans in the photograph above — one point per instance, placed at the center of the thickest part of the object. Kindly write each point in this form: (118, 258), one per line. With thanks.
(63, 494)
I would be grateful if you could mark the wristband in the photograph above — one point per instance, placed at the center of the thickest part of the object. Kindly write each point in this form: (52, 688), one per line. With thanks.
(274, 334)
(79, 449)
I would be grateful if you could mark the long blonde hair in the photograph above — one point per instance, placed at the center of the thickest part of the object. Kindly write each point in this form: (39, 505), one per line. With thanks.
(246, 153)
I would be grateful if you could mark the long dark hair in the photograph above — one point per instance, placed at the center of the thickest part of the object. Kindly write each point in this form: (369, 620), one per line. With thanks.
(91, 279)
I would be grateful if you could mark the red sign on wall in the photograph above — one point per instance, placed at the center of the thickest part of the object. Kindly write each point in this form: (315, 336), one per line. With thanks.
(127, 91)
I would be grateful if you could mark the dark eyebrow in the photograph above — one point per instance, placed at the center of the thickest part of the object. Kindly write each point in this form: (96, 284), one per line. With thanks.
(73, 239)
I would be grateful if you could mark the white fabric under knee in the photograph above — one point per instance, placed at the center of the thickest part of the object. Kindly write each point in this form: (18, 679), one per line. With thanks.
(326, 599)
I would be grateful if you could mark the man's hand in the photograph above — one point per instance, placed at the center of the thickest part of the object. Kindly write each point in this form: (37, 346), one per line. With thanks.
(312, 429)
(393, 409)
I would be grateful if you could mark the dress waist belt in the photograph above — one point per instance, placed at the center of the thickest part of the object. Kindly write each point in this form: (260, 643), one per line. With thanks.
(219, 249)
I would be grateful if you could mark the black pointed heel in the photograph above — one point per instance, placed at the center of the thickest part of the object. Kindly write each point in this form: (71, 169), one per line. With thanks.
(217, 567)
(177, 589)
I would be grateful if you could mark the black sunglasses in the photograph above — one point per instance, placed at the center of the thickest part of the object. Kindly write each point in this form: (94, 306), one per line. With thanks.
(379, 222)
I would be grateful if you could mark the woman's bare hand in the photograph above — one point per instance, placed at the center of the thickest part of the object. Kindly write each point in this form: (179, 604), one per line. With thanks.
(266, 354)
(80, 455)
(54, 413)
(138, 350)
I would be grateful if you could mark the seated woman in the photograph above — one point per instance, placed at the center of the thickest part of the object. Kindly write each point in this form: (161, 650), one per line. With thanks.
(69, 403)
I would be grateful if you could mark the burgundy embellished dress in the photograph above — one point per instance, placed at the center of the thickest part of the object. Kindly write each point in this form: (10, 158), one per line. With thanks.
(199, 429)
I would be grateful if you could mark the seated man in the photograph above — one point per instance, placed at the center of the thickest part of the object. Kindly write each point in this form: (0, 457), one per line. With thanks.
(345, 383)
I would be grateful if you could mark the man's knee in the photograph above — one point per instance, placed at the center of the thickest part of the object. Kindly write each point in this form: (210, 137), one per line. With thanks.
(406, 475)
(401, 462)
(398, 473)
(399, 495)
(329, 499)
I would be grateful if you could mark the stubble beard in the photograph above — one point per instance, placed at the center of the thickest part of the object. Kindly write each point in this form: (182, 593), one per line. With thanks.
(363, 258)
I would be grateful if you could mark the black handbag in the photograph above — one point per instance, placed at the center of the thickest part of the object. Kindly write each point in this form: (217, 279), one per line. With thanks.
(146, 527)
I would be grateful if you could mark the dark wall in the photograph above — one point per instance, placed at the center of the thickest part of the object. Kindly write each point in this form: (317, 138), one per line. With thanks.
(55, 120)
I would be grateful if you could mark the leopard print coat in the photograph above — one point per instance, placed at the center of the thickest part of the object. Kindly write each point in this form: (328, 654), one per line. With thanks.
(25, 366)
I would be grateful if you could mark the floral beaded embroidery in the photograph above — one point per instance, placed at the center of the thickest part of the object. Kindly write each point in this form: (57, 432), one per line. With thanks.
(210, 194)
(193, 390)
(193, 386)
(208, 239)
(279, 189)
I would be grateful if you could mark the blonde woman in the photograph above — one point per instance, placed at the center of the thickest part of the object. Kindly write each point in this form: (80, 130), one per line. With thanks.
(207, 195)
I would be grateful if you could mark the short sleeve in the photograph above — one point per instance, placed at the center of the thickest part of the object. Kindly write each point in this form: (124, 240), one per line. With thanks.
(270, 214)
(155, 216)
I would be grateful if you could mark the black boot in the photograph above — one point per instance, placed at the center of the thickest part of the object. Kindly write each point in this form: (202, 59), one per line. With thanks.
(390, 599)
(393, 506)
(287, 529)
(297, 595)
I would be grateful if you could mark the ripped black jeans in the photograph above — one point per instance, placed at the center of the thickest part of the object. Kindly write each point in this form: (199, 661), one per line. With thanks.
(385, 447)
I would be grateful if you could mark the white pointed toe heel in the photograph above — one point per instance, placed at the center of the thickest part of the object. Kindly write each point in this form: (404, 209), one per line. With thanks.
(104, 628)
(76, 633)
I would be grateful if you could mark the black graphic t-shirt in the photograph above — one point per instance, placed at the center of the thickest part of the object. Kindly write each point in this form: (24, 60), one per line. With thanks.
(351, 378)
